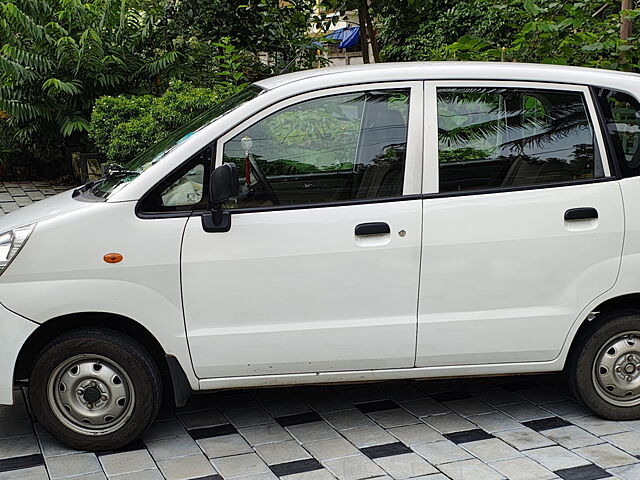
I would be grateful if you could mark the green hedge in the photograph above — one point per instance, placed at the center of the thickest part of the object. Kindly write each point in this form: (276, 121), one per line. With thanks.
(124, 126)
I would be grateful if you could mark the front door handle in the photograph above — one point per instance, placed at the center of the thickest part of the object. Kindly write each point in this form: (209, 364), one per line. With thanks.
(373, 228)
(585, 213)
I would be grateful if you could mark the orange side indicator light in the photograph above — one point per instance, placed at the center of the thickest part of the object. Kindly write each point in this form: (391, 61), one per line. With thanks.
(112, 258)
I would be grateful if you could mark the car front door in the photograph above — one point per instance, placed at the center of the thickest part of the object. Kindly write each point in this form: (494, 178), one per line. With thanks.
(523, 224)
(319, 271)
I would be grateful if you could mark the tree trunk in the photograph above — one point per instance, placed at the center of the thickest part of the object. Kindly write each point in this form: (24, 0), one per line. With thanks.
(363, 31)
(371, 32)
(625, 25)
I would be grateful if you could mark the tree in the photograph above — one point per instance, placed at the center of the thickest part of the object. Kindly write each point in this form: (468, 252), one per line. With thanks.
(58, 56)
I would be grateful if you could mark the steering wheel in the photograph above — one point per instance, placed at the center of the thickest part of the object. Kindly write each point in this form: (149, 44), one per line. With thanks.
(263, 181)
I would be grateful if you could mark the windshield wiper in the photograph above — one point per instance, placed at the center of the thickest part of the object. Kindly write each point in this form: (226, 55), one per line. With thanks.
(115, 170)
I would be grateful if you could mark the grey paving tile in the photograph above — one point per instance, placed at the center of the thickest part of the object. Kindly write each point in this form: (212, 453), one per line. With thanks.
(35, 196)
(330, 404)
(127, 462)
(495, 422)
(424, 407)
(393, 418)
(449, 423)
(262, 476)
(13, 412)
(268, 433)
(360, 393)
(498, 396)
(353, 468)
(606, 456)
(321, 474)
(279, 408)
(405, 466)
(491, 450)
(224, 446)
(90, 476)
(368, 436)
(145, 475)
(470, 469)
(51, 447)
(416, 434)
(404, 393)
(525, 411)
(627, 441)
(184, 468)
(227, 402)
(541, 395)
(249, 417)
(75, 464)
(469, 406)
(523, 468)
(33, 473)
(627, 472)
(203, 418)
(331, 449)
(524, 439)
(172, 447)
(556, 458)
(240, 465)
(437, 453)
(568, 409)
(19, 446)
(281, 452)
(571, 437)
(310, 432)
(598, 426)
(15, 428)
(348, 419)
(164, 429)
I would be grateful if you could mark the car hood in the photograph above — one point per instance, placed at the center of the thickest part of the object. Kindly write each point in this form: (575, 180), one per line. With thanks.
(38, 211)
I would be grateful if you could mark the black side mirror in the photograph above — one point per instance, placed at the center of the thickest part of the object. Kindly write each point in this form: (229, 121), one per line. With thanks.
(223, 185)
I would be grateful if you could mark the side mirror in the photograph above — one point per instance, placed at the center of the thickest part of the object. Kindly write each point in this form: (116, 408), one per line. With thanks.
(223, 185)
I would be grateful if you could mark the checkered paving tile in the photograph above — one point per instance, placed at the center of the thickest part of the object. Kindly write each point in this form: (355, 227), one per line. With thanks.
(516, 428)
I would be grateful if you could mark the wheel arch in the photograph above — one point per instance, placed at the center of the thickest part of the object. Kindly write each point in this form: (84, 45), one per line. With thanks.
(173, 376)
(629, 302)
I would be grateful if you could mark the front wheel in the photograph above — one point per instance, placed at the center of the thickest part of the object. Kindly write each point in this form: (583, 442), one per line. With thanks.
(604, 369)
(95, 389)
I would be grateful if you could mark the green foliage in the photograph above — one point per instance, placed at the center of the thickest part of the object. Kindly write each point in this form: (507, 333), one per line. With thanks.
(58, 56)
(124, 126)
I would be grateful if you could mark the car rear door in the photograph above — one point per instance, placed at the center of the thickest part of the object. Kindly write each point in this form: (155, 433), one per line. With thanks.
(523, 221)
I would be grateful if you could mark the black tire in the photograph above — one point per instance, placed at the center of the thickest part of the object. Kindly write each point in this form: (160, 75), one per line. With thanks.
(580, 370)
(144, 386)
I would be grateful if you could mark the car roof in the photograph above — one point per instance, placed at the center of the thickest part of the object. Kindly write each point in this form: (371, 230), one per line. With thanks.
(453, 70)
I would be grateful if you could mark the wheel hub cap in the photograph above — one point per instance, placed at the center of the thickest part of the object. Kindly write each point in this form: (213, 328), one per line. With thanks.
(91, 395)
(616, 370)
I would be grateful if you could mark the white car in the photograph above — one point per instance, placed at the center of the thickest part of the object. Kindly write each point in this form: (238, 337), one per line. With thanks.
(335, 225)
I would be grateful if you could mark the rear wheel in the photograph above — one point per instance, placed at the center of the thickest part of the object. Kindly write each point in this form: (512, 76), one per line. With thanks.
(95, 389)
(604, 369)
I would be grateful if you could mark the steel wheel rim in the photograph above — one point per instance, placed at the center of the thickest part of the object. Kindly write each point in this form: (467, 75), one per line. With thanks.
(91, 395)
(616, 370)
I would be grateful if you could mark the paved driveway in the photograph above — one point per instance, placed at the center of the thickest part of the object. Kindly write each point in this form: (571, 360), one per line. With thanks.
(520, 428)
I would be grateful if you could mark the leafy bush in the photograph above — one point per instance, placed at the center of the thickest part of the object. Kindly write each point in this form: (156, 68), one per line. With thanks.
(123, 127)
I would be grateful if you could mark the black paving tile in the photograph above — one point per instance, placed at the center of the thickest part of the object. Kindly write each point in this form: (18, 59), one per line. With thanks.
(299, 419)
(210, 432)
(547, 424)
(18, 463)
(299, 466)
(586, 472)
(451, 396)
(377, 406)
(386, 450)
(468, 436)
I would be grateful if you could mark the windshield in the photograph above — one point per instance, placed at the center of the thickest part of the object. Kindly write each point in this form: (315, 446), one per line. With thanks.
(122, 174)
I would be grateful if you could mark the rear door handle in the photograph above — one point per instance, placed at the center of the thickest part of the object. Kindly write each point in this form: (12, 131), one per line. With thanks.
(585, 213)
(373, 228)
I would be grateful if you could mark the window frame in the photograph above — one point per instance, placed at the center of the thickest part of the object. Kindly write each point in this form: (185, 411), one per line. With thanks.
(412, 182)
(431, 170)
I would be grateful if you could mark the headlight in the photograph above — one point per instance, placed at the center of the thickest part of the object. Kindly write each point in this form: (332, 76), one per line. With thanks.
(11, 242)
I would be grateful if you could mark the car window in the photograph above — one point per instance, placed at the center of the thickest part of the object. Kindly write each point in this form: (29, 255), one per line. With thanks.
(622, 116)
(490, 138)
(185, 189)
(329, 149)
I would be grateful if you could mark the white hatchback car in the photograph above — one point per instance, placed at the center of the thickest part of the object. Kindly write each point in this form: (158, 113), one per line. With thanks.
(345, 224)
